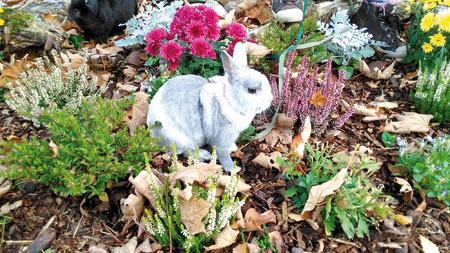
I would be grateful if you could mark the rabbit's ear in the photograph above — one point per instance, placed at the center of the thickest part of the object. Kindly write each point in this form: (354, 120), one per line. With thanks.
(229, 64)
(240, 54)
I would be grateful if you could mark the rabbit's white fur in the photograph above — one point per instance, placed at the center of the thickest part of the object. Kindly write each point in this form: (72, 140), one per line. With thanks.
(194, 111)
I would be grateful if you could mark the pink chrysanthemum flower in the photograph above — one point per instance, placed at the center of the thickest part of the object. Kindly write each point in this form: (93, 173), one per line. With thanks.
(187, 17)
(171, 51)
(213, 32)
(154, 38)
(236, 31)
(202, 49)
(195, 30)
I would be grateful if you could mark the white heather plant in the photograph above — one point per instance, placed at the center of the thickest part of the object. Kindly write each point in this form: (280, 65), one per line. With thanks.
(167, 215)
(351, 45)
(151, 18)
(52, 85)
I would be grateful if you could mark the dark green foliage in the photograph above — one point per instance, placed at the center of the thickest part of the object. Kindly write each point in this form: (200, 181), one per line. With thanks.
(77, 41)
(2, 94)
(429, 166)
(16, 20)
(265, 242)
(349, 206)
(388, 139)
(94, 147)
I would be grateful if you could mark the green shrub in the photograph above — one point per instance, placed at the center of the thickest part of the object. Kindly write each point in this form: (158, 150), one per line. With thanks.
(428, 165)
(278, 37)
(49, 84)
(432, 94)
(93, 147)
(356, 197)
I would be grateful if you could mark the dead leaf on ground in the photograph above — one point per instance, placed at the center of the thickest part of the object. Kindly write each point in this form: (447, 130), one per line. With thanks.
(298, 143)
(54, 148)
(385, 104)
(319, 192)
(72, 60)
(49, 17)
(229, 18)
(14, 139)
(196, 173)
(224, 239)
(268, 161)
(377, 69)
(402, 219)
(405, 188)
(427, 245)
(277, 240)
(409, 122)
(241, 186)
(12, 72)
(107, 50)
(142, 184)
(423, 205)
(144, 247)
(278, 133)
(241, 248)
(130, 247)
(192, 213)
(245, 5)
(261, 12)
(140, 107)
(254, 220)
(7, 208)
(5, 186)
(132, 207)
(256, 50)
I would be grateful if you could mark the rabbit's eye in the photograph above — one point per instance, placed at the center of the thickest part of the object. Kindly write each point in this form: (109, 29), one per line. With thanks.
(251, 90)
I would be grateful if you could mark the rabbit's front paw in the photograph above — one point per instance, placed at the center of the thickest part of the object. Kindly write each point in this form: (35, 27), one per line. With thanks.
(238, 168)
(204, 155)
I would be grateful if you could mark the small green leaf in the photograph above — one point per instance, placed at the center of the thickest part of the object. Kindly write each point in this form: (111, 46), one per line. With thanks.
(348, 71)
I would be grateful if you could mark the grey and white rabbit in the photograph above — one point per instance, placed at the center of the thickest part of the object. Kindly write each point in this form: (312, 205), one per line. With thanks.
(194, 111)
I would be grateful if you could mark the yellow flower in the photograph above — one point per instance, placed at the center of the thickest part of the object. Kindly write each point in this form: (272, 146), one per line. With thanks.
(429, 2)
(2, 22)
(412, 2)
(429, 6)
(408, 8)
(427, 47)
(443, 20)
(438, 39)
(447, 2)
(1, 10)
(427, 22)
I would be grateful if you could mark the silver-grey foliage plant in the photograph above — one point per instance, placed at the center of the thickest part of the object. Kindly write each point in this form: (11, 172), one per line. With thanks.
(52, 85)
(151, 18)
(351, 45)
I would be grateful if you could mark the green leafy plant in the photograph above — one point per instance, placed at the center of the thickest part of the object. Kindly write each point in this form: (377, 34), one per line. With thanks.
(16, 20)
(432, 94)
(2, 94)
(165, 221)
(388, 139)
(247, 134)
(428, 164)
(429, 33)
(76, 41)
(51, 84)
(265, 242)
(278, 37)
(84, 149)
(350, 205)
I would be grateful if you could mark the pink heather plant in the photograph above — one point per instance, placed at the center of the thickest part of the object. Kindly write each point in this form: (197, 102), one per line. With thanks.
(295, 98)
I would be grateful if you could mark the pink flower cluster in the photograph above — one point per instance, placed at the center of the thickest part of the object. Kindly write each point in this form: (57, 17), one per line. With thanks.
(237, 33)
(295, 98)
(196, 26)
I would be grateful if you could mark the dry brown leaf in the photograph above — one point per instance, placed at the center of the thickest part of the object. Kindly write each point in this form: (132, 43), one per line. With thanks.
(277, 240)
(385, 104)
(140, 107)
(132, 207)
(130, 247)
(5, 186)
(241, 248)
(192, 213)
(130, 72)
(7, 208)
(260, 12)
(144, 247)
(319, 192)
(427, 245)
(106, 49)
(254, 220)
(50, 18)
(241, 186)
(253, 247)
(103, 197)
(364, 110)
(14, 139)
(186, 193)
(245, 5)
(196, 173)
(405, 188)
(375, 118)
(268, 161)
(423, 205)
(54, 147)
(256, 50)
(299, 142)
(409, 122)
(229, 18)
(103, 78)
(75, 60)
(402, 219)
(295, 216)
(376, 72)
(283, 135)
(12, 72)
(142, 185)
(224, 239)
(318, 100)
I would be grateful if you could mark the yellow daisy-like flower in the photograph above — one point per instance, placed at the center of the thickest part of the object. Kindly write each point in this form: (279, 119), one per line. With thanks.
(429, 6)
(1, 10)
(443, 20)
(2, 22)
(446, 2)
(408, 8)
(438, 39)
(429, 2)
(427, 47)
(427, 22)
(412, 2)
